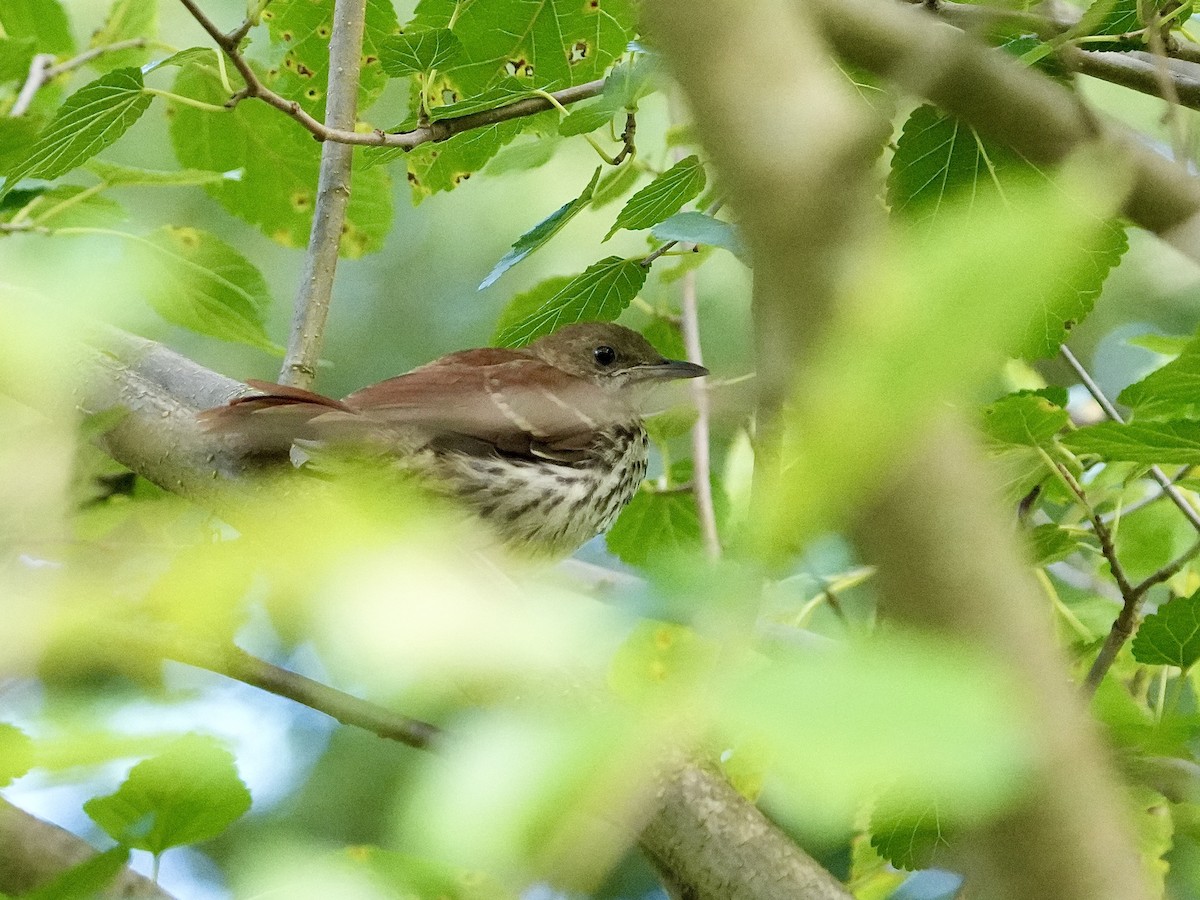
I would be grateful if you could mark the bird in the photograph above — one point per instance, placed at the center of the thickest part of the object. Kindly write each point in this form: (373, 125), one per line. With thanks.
(545, 443)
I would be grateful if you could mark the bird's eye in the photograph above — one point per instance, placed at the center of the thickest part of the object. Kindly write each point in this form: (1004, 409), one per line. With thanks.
(605, 355)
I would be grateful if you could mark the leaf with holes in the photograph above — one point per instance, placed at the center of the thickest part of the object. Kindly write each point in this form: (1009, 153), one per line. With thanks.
(127, 20)
(279, 164)
(658, 524)
(300, 31)
(196, 280)
(1170, 392)
(599, 294)
(1171, 636)
(663, 197)
(939, 159)
(436, 167)
(91, 119)
(189, 793)
(540, 233)
(549, 44)
(418, 50)
(1174, 441)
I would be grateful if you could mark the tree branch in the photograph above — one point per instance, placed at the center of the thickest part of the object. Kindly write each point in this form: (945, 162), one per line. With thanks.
(701, 464)
(311, 307)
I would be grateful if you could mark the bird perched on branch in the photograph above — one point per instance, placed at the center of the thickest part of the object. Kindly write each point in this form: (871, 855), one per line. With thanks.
(545, 443)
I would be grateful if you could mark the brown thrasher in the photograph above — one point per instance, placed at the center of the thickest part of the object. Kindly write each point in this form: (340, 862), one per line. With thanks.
(545, 443)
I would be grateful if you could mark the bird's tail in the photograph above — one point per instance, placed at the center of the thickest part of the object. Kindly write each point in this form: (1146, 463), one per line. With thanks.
(269, 422)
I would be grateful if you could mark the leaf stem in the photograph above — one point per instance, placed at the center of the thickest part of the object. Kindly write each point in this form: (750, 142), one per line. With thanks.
(186, 101)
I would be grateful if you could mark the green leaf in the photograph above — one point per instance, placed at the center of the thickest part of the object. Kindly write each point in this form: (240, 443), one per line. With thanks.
(1170, 392)
(658, 524)
(908, 838)
(84, 881)
(1051, 544)
(599, 294)
(119, 176)
(196, 280)
(1175, 441)
(663, 197)
(939, 159)
(587, 117)
(659, 658)
(540, 233)
(181, 58)
(1112, 17)
(16, 753)
(279, 163)
(91, 119)
(70, 206)
(1171, 636)
(527, 303)
(42, 20)
(301, 29)
(549, 44)
(700, 228)
(16, 54)
(1026, 419)
(418, 50)
(1162, 344)
(525, 155)
(436, 167)
(614, 185)
(127, 19)
(190, 792)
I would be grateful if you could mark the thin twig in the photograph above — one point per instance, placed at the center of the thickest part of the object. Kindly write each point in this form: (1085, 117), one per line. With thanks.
(33, 83)
(1156, 473)
(1103, 534)
(701, 460)
(441, 130)
(311, 307)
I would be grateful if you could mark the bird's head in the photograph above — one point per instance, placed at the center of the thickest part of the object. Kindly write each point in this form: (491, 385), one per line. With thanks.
(610, 356)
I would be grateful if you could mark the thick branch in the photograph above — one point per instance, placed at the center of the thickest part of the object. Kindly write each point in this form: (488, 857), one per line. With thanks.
(33, 852)
(311, 307)
(1040, 119)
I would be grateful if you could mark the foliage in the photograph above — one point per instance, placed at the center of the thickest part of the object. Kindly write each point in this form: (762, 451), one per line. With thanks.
(149, 173)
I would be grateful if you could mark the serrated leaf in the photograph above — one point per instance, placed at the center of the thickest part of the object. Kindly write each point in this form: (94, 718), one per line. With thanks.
(279, 163)
(527, 303)
(658, 524)
(599, 294)
(1149, 443)
(436, 167)
(663, 197)
(91, 119)
(1026, 419)
(700, 228)
(16, 753)
(42, 20)
(301, 30)
(1050, 544)
(549, 44)
(587, 117)
(614, 185)
(127, 20)
(84, 881)
(418, 50)
(908, 839)
(119, 176)
(1171, 636)
(1112, 17)
(189, 793)
(940, 159)
(181, 58)
(540, 233)
(196, 280)
(1170, 392)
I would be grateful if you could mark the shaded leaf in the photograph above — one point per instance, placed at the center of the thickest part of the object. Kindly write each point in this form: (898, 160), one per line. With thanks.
(16, 54)
(542, 232)
(1050, 544)
(908, 838)
(91, 119)
(661, 523)
(1175, 441)
(524, 156)
(127, 19)
(196, 280)
(587, 117)
(418, 50)
(1171, 636)
(44, 21)
(189, 793)
(599, 294)
(700, 228)
(663, 197)
(86, 880)
(1170, 392)
(1027, 419)
(436, 167)
(70, 206)
(614, 185)
(16, 753)
(119, 175)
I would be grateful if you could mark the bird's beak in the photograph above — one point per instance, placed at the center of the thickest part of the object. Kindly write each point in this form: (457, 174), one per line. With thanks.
(667, 370)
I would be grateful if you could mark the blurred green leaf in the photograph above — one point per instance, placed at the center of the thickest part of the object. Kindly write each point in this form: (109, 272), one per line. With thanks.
(408, 875)
(939, 159)
(700, 228)
(16, 54)
(661, 198)
(91, 119)
(418, 50)
(908, 838)
(187, 794)
(194, 279)
(587, 117)
(600, 294)
(119, 175)
(84, 881)
(521, 157)
(1174, 441)
(659, 659)
(16, 753)
(1162, 344)
(70, 206)
(42, 20)
(127, 20)
(614, 185)
(540, 233)
(1170, 636)
(1171, 392)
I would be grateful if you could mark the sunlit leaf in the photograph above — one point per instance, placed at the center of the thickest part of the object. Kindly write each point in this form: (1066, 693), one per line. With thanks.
(189, 793)
(1171, 636)
(418, 50)
(1173, 441)
(127, 20)
(91, 119)
(600, 294)
(908, 838)
(663, 197)
(660, 658)
(1024, 419)
(542, 232)
(1172, 392)
(1050, 543)
(16, 753)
